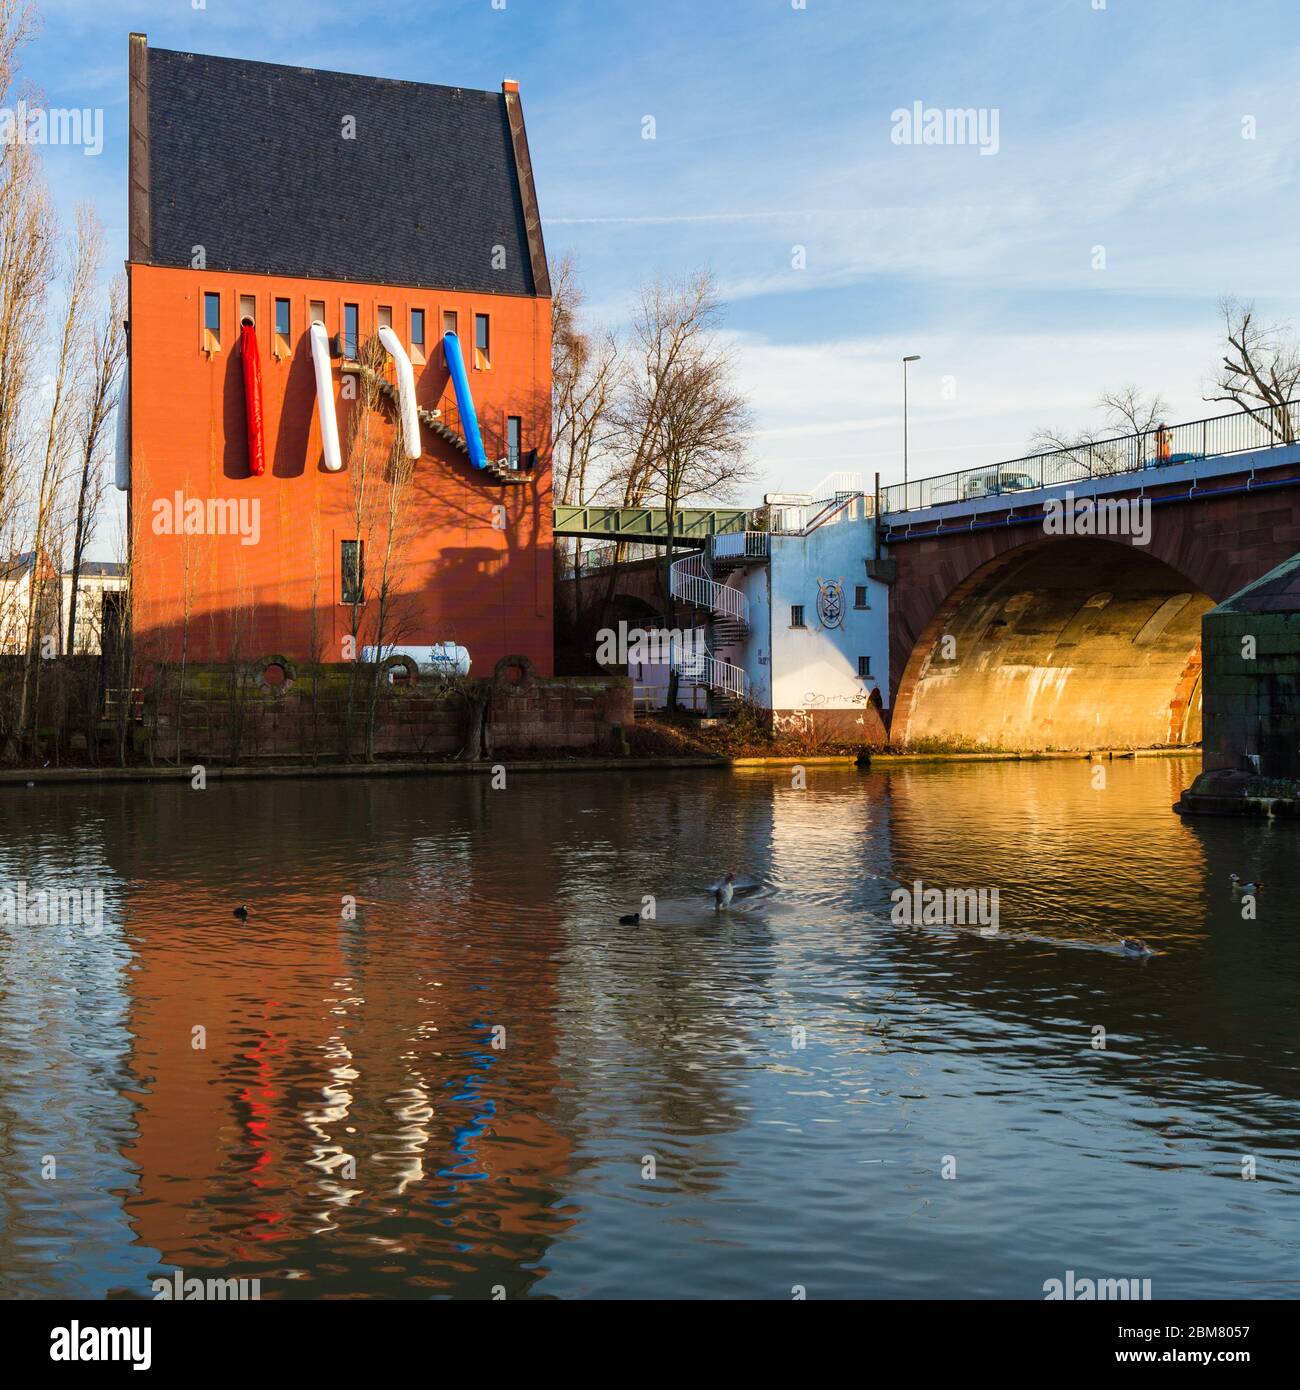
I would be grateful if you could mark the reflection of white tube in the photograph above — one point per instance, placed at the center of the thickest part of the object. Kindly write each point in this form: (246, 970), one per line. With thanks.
(405, 390)
(122, 460)
(329, 425)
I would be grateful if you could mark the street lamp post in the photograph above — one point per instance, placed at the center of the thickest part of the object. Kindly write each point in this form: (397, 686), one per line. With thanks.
(914, 357)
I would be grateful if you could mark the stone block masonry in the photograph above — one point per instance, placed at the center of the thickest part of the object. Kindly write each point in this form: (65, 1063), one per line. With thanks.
(266, 712)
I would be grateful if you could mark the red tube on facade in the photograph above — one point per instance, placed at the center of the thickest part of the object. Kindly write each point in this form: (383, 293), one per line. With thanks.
(252, 398)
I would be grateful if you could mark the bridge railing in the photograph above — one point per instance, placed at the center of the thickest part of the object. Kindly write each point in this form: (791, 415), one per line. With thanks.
(1238, 433)
(591, 558)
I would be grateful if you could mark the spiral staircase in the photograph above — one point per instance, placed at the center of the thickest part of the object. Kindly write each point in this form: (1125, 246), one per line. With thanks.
(724, 614)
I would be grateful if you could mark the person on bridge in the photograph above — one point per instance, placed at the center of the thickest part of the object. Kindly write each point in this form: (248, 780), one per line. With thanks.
(1164, 442)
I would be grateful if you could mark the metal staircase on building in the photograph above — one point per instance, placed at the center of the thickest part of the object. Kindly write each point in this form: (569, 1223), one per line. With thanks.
(432, 420)
(724, 609)
(725, 612)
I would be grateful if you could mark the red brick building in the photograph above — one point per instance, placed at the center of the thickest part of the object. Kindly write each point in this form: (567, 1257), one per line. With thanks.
(274, 197)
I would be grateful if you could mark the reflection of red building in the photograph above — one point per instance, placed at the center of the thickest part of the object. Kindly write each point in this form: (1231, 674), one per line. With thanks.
(343, 1111)
(282, 196)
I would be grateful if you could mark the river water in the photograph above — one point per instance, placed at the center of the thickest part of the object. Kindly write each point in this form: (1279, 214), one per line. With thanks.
(431, 1063)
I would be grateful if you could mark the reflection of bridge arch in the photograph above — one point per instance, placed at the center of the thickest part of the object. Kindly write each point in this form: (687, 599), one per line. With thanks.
(1059, 643)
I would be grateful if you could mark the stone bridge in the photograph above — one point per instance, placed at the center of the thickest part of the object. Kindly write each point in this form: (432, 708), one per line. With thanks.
(1054, 602)
(1008, 631)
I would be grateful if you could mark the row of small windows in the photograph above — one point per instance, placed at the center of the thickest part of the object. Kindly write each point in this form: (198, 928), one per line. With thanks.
(351, 326)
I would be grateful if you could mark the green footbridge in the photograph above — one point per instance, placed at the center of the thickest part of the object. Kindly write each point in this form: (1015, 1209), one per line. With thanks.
(649, 525)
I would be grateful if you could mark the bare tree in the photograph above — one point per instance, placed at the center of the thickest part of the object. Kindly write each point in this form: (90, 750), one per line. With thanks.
(392, 608)
(103, 364)
(381, 513)
(28, 240)
(683, 424)
(1114, 446)
(585, 373)
(1130, 411)
(84, 254)
(1261, 369)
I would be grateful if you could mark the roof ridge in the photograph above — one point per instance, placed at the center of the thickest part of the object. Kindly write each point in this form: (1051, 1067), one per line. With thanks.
(302, 69)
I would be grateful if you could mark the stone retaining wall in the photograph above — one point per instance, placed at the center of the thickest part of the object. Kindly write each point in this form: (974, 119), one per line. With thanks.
(226, 715)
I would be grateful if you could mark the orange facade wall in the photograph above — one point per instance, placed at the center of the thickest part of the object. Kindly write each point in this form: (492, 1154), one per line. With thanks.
(469, 572)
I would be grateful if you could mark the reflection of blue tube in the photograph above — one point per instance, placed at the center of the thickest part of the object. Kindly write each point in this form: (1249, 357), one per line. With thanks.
(464, 401)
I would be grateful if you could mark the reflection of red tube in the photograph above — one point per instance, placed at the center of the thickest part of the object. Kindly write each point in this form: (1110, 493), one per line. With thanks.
(252, 398)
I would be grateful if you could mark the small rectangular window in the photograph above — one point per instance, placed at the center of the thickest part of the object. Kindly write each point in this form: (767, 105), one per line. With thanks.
(247, 309)
(417, 328)
(353, 572)
(796, 615)
(450, 322)
(860, 596)
(864, 665)
(282, 318)
(351, 330)
(317, 310)
(384, 318)
(514, 433)
(211, 322)
(482, 342)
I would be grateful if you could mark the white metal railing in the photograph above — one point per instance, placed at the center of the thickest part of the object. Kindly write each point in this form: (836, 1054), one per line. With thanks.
(741, 545)
(799, 518)
(834, 483)
(725, 676)
(703, 668)
(692, 695)
(842, 507)
(692, 582)
(695, 666)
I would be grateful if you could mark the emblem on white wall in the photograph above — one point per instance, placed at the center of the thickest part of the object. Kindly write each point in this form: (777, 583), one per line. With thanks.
(830, 602)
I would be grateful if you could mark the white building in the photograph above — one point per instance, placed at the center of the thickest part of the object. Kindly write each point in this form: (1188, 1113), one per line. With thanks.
(101, 594)
(798, 623)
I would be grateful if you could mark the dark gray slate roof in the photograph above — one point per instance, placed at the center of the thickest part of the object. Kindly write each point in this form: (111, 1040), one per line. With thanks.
(102, 569)
(248, 160)
(1278, 591)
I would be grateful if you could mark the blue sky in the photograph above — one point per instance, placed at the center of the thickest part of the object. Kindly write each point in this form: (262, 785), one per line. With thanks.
(1119, 127)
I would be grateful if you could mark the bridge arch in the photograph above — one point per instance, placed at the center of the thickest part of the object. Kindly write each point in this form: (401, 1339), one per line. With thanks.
(1058, 643)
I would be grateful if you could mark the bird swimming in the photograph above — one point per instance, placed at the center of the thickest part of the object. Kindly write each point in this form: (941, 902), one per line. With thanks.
(1239, 887)
(729, 887)
(242, 913)
(1135, 946)
(629, 919)
(723, 891)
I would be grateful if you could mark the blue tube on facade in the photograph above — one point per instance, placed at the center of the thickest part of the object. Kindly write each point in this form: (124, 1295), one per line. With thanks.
(464, 401)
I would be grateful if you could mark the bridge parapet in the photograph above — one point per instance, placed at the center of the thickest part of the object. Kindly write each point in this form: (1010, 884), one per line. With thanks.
(649, 523)
(1154, 450)
(1257, 470)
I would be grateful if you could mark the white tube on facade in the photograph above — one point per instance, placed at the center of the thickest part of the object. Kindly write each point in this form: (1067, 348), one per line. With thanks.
(329, 424)
(405, 390)
(122, 455)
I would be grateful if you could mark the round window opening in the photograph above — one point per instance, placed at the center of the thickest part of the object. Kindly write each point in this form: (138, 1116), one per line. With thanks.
(275, 674)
